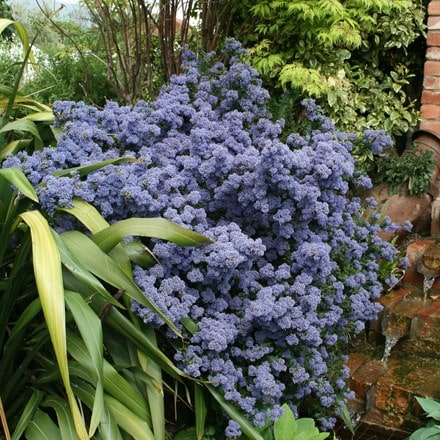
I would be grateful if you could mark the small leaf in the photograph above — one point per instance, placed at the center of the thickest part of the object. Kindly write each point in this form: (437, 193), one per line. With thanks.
(430, 406)
(285, 428)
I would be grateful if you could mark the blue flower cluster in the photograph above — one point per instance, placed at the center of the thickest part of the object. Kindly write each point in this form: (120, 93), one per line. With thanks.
(293, 269)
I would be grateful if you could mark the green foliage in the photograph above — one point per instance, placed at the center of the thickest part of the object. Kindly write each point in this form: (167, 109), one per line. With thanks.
(5, 11)
(287, 427)
(432, 429)
(24, 122)
(69, 76)
(70, 64)
(413, 168)
(367, 99)
(361, 60)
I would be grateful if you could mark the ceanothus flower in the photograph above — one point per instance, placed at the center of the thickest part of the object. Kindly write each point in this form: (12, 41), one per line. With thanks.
(293, 268)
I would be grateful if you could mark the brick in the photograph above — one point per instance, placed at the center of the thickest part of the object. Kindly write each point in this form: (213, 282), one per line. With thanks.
(430, 97)
(431, 83)
(366, 376)
(432, 68)
(397, 320)
(413, 277)
(433, 38)
(426, 324)
(409, 306)
(433, 22)
(374, 328)
(427, 381)
(430, 126)
(415, 250)
(433, 53)
(382, 397)
(430, 111)
(390, 299)
(374, 417)
(394, 420)
(416, 280)
(400, 401)
(434, 7)
(355, 360)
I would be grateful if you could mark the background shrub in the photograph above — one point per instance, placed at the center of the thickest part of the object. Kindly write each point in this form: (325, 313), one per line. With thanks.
(362, 61)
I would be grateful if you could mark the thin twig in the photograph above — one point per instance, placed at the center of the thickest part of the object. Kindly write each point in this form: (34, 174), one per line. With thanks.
(4, 421)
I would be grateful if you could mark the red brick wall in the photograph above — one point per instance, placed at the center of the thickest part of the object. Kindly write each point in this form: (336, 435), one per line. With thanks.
(430, 108)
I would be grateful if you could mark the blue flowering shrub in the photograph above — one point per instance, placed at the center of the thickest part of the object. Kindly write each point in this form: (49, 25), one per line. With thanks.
(294, 267)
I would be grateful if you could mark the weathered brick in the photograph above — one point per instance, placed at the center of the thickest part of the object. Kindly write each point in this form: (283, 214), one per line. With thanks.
(430, 111)
(426, 324)
(415, 250)
(434, 7)
(413, 277)
(430, 97)
(433, 38)
(413, 367)
(396, 322)
(355, 360)
(382, 396)
(374, 416)
(431, 83)
(433, 53)
(390, 299)
(433, 22)
(366, 376)
(430, 125)
(400, 401)
(432, 68)
(395, 420)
